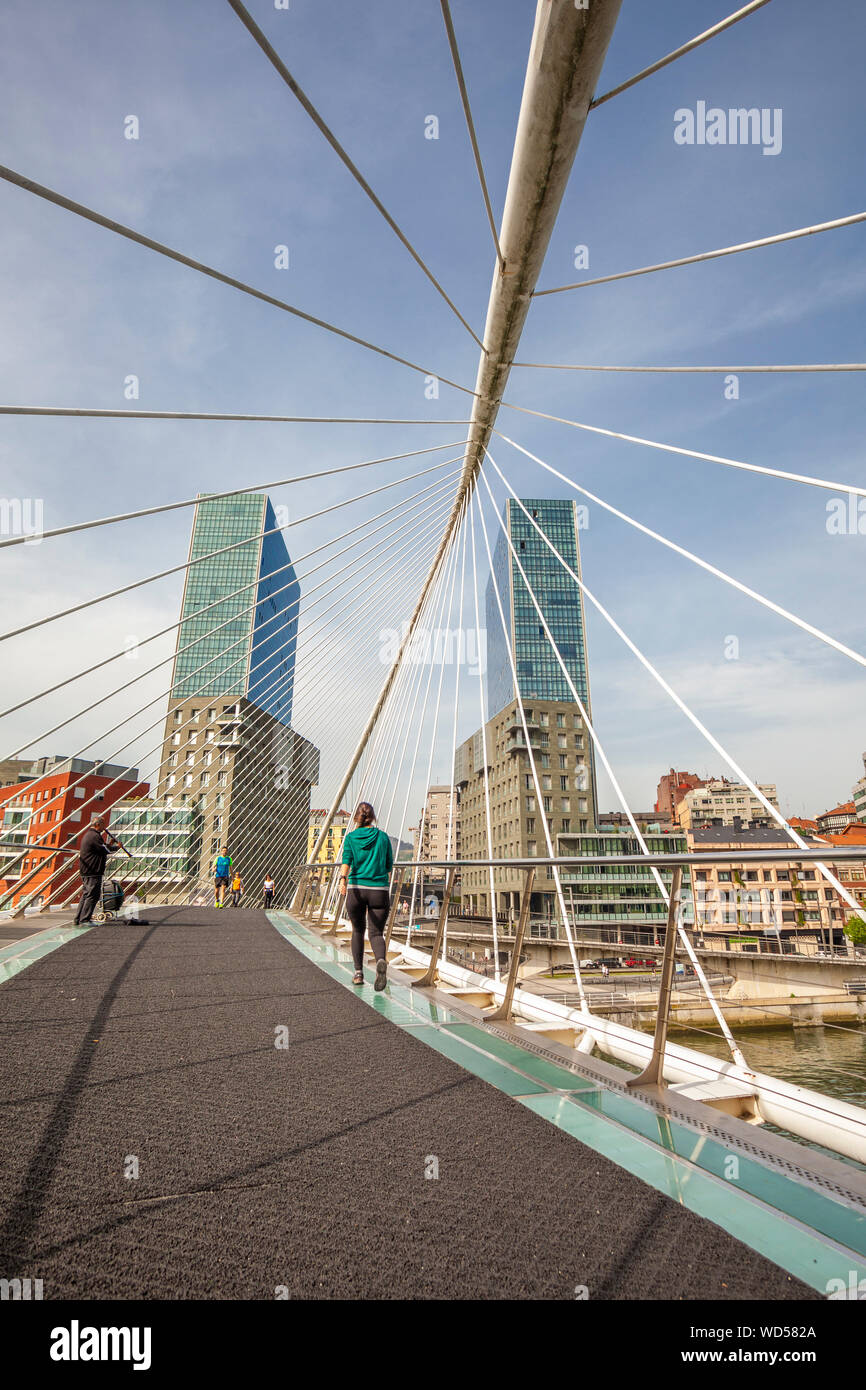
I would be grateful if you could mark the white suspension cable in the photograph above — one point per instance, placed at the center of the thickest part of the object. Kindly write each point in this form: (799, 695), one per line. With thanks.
(736, 1052)
(482, 706)
(696, 560)
(693, 453)
(679, 52)
(557, 878)
(277, 63)
(86, 412)
(200, 559)
(52, 196)
(442, 590)
(470, 126)
(202, 690)
(436, 711)
(711, 255)
(788, 367)
(450, 852)
(230, 492)
(743, 777)
(172, 627)
(432, 530)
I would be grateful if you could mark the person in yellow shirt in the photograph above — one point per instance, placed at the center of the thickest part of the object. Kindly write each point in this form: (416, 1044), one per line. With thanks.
(237, 889)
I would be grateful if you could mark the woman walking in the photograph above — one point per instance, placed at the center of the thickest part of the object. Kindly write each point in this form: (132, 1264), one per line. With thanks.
(364, 877)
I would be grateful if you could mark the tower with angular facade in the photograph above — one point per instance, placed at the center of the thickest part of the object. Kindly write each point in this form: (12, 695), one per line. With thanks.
(229, 747)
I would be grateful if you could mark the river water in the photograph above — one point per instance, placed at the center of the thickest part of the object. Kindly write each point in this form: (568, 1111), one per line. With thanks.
(825, 1059)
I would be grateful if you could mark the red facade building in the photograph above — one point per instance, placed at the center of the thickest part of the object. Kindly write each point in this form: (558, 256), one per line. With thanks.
(44, 818)
(671, 789)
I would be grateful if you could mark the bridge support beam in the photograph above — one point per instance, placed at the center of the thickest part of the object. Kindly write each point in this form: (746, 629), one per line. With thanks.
(395, 904)
(502, 1013)
(429, 976)
(653, 1072)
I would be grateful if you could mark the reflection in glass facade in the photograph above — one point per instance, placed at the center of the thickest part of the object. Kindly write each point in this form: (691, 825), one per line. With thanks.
(539, 673)
(226, 644)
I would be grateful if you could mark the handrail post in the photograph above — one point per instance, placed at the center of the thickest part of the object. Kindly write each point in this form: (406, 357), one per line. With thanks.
(395, 903)
(429, 976)
(653, 1073)
(502, 1013)
(299, 897)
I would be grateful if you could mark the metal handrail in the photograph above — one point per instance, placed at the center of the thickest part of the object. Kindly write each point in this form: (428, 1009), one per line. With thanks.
(794, 855)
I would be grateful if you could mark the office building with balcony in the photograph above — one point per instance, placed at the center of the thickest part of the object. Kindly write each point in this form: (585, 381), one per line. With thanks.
(559, 743)
(163, 843)
(620, 903)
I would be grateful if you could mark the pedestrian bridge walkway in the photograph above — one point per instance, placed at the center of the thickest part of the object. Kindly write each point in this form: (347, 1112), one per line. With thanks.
(203, 1107)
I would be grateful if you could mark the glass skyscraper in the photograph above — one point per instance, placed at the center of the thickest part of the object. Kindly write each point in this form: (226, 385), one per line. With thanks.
(539, 674)
(244, 643)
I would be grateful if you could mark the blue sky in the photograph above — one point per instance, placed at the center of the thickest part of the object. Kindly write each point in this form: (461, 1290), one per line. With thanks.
(228, 166)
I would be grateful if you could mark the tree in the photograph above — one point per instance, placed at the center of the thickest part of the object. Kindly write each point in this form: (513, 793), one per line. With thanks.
(855, 930)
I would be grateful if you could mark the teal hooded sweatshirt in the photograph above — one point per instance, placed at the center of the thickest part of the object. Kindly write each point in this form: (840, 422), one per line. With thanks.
(367, 851)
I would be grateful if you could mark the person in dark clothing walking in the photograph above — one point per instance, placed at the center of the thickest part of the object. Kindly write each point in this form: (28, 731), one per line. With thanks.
(364, 879)
(92, 854)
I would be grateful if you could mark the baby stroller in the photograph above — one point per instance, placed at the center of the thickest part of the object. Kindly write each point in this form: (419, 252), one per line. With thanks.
(112, 900)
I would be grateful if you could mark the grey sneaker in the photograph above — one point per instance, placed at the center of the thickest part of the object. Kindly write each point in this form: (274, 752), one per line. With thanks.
(381, 974)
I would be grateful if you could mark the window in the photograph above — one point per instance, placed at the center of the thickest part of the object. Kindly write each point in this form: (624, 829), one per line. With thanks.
(566, 826)
(178, 716)
(79, 793)
(566, 803)
(563, 784)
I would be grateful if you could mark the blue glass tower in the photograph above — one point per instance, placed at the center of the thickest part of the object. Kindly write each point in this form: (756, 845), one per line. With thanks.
(539, 674)
(238, 647)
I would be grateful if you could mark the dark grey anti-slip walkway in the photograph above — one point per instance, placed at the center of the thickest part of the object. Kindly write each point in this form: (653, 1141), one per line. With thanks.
(303, 1167)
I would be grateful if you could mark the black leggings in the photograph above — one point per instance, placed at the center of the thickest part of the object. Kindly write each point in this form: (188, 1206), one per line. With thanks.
(367, 907)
